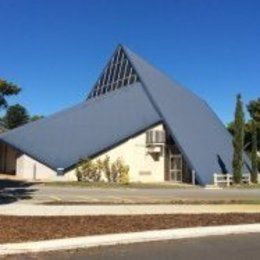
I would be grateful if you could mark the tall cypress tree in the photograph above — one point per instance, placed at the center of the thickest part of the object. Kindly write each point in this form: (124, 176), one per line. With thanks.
(254, 153)
(238, 141)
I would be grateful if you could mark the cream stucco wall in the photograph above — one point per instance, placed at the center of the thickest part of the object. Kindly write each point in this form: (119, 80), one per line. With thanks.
(143, 167)
(30, 169)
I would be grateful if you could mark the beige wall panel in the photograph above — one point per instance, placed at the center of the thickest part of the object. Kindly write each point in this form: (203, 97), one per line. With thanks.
(143, 167)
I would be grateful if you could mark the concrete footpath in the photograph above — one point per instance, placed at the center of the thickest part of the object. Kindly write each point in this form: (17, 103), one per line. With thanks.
(125, 238)
(81, 210)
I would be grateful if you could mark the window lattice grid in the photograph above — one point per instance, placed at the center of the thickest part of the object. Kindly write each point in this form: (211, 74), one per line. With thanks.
(117, 74)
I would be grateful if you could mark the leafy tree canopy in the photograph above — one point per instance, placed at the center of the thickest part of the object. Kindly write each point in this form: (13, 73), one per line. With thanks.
(36, 117)
(7, 89)
(238, 140)
(251, 129)
(16, 115)
(254, 109)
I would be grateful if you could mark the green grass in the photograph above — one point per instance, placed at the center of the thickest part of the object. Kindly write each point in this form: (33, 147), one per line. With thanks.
(158, 202)
(244, 186)
(106, 185)
(138, 185)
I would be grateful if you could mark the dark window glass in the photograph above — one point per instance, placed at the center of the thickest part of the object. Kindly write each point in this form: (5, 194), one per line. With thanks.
(105, 77)
(118, 73)
(113, 86)
(110, 75)
(121, 75)
(132, 79)
(125, 82)
(108, 88)
(119, 84)
(104, 90)
(120, 55)
(128, 68)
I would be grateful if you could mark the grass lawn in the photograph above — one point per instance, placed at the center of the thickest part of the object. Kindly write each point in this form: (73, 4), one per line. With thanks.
(20, 229)
(137, 185)
(158, 202)
(244, 186)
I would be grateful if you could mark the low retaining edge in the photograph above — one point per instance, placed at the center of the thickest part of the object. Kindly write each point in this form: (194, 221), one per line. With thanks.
(124, 238)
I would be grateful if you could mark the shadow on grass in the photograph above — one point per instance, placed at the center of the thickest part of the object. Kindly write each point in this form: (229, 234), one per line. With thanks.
(14, 190)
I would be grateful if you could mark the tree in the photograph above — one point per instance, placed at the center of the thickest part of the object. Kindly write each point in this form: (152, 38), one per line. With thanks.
(247, 134)
(254, 109)
(7, 89)
(16, 115)
(238, 141)
(254, 153)
(36, 117)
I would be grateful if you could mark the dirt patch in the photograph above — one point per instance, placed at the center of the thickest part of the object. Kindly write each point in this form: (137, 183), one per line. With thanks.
(19, 229)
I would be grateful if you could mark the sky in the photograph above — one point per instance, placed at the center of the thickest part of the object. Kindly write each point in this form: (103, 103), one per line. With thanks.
(55, 49)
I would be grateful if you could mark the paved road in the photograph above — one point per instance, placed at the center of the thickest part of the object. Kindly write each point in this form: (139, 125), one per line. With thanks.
(235, 247)
(41, 193)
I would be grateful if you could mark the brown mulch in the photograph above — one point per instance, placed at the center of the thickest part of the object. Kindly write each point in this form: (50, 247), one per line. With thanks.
(19, 229)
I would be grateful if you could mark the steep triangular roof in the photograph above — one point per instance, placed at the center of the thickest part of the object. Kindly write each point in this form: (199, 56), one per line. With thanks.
(85, 130)
(200, 135)
(129, 96)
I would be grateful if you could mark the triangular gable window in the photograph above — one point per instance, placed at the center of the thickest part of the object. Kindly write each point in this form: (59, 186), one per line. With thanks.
(118, 73)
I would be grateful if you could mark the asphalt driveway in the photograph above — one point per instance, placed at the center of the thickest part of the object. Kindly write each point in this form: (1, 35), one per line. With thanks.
(230, 247)
(138, 195)
(39, 193)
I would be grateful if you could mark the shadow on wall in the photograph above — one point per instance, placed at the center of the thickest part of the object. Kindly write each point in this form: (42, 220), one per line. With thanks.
(222, 165)
(15, 190)
(246, 165)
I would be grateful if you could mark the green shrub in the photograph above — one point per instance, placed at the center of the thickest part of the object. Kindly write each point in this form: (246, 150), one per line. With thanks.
(91, 171)
(107, 169)
(78, 174)
(120, 172)
(88, 171)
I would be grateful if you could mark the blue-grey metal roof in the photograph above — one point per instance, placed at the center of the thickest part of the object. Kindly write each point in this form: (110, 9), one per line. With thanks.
(84, 130)
(99, 123)
(199, 133)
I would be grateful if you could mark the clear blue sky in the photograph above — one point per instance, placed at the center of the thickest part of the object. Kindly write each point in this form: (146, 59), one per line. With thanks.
(55, 49)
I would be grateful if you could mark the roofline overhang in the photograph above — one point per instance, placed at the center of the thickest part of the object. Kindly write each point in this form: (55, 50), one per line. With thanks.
(29, 154)
(68, 168)
(106, 149)
(158, 110)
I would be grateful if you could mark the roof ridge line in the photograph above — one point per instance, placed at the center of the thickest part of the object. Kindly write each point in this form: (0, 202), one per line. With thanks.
(166, 75)
(143, 84)
(156, 107)
(104, 68)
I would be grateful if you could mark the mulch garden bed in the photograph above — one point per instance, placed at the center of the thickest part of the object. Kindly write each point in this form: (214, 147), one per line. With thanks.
(20, 229)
